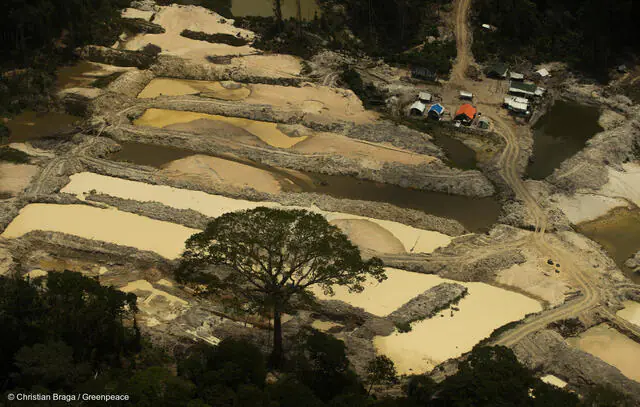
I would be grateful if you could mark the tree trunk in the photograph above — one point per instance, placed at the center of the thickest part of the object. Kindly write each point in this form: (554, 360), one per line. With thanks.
(277, 12)
(299, 16)
(277, 353)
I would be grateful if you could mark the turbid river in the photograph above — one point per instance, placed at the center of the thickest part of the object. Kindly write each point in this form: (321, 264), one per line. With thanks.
(559, 134)
(475, 214)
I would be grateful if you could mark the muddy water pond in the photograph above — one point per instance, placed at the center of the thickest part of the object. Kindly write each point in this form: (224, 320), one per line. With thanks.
(476, 214)
(30, 125)
(619, 233)
(264, 8)
(559, 134)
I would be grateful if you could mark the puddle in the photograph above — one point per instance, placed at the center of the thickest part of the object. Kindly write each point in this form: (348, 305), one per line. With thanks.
(559, 134)
(612, 347)
(619, 233)
(264, 8)
(437, 339)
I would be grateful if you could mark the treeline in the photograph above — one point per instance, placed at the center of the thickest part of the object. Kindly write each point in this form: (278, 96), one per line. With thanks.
(592, 35)
(67, 334)
(38, 35)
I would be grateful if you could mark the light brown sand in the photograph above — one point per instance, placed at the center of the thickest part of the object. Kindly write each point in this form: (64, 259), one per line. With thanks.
(108, 225)
(14, 178)
(265, 131)
(414, 240)
(178, 87)
(611, 346)
(554, 381)
(368, 235)
(271, 65)
(371, 155)
(624, 184)
(336, 104)
(324, 326)
(204, 169)
(176, 18)
(135, 13)
(536, 277)
(631, 312)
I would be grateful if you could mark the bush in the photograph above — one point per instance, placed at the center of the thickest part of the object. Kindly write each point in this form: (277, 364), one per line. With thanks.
(215, 38)
(151, 50)
(14, 156)
(403, 326)
(368, 93)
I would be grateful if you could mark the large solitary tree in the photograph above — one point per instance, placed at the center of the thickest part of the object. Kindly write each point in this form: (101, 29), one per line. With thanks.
(272, 255)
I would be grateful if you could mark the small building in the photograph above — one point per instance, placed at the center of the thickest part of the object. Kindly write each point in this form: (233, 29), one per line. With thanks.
(424, 74)
(515, 76)
(486, 26)
(517, 104)
(466, 95)
(425, 97)
(417, 108)
(543, 72)
(436, 111)
(484, 123)
(466, 114)
(521, 88)
(498, 71)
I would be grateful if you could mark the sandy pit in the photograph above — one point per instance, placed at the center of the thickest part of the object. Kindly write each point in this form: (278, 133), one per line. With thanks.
(413, 239)
(624, 184)
(630, 312)
(156, 305)
(135, 13)
(324, 326)
(338, 104)
(30, 125)
(554, 381)
(370, 155)
(190, 121)
(204, 170)
(435, 340)
(176, 18)
(177, 87)
(368, 235)
(586, 207)
(271, 65)
(14, 178)
(612, 347)
(107, 225)
(537, 278)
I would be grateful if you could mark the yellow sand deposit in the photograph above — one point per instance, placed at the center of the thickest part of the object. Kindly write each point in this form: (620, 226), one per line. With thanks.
(14, 178)
(265, 131)
(178, 87)
(176, 18)
(435, 340)
(205, 170)
(611, 346)
(630, 312)
(107, 225)
(413, 239)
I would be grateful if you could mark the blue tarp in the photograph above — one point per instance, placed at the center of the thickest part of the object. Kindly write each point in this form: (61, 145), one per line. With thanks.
(437, 108)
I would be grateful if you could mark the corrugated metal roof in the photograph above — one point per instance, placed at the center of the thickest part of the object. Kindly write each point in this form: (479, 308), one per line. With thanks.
(418, 105)
(543, 72)
(467, 110)
(465, 94)
(509, 99)
(516, 75)
(424, 96)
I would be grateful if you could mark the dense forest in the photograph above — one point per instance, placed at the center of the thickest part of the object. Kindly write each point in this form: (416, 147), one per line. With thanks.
(592, 35)
(67, 334)
(39, 35)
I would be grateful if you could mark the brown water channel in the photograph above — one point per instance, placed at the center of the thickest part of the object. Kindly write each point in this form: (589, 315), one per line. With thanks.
(559, 134)
(476, 214)
(619, 233)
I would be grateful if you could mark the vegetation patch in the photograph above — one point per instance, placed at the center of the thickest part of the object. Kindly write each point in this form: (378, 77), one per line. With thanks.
(371, 97)
(215, 38)
(14, 156)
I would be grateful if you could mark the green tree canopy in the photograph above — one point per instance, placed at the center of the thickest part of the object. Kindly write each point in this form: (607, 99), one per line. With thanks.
(272, 255)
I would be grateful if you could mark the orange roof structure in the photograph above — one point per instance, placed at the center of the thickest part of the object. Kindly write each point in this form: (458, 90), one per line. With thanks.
(467, 110)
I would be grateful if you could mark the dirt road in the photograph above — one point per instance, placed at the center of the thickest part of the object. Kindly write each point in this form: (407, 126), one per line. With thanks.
(584, 280)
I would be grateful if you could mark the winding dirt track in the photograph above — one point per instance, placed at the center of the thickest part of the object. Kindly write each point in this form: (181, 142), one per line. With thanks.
(509, 159)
